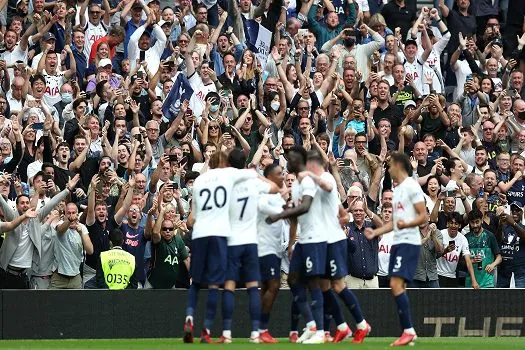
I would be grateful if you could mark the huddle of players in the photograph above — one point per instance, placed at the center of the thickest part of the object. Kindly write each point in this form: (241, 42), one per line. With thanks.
(237, 216)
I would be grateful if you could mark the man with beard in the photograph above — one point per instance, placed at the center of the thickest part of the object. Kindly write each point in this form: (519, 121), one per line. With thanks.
(459, 20)
(489, 189)
(484, 250)
(222, 47)
(229, 79)
(135, 237)
(99, 223)
(60, 166)
(456, 247)
(511, 238)
(95, 27)
(481, 160)
(15, 50)
(333, 27)
(436, 120)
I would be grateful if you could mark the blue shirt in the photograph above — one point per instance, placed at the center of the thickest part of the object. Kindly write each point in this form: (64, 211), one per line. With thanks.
(512, 250)
(81, 62)
(362, 253)
(60, 34)
(135, 244)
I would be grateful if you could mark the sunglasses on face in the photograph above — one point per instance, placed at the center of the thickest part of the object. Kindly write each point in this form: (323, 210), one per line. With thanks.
(167, 229)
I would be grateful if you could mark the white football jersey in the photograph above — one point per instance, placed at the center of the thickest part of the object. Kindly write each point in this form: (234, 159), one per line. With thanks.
(383, 256)
(243, 211)
(313, 229)
(406, 195)
(446, 265)
(212, 193)
(269, 237)
(92, 34)
(330, 211)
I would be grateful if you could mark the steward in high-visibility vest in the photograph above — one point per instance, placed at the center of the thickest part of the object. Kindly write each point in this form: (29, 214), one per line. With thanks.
(117, 265)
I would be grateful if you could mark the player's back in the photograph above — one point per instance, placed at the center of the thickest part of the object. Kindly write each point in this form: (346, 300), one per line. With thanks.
(212, 192)
(269, 235)
(406, 194)
(330, 211)
(312, 226)
(243, 211)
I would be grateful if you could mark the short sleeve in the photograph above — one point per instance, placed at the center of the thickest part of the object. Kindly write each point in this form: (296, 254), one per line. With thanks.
(309, 188)
(466, 248)
(416, 193)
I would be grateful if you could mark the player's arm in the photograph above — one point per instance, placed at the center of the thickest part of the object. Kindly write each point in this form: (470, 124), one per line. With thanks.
(371, 234)
(292, 236)
(299, 210)
(421, 218)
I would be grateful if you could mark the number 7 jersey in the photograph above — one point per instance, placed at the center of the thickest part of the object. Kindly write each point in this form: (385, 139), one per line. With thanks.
(212, 193)
(243, 211)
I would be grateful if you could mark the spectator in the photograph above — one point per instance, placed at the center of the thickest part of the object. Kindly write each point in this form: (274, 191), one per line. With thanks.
(484, 250)
(363, 253)
(431, 248)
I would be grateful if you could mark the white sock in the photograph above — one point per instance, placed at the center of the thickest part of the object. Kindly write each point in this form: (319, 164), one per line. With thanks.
(262, 330)
(293, 332)
(189, 318)
(343, 326)
(320, 333)
(410, 330)
(361, 325)
(311, 325)
(227, 334)
(254, 334)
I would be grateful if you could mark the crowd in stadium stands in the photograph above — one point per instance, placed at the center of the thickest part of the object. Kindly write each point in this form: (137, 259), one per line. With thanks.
(109, 111)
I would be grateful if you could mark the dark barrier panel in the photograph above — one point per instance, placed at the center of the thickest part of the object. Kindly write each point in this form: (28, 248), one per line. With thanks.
(160, 313)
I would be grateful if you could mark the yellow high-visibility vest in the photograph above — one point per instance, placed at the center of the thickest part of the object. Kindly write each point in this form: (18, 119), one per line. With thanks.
(118, 267)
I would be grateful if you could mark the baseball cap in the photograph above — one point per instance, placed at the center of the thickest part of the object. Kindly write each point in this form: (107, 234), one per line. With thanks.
(409, 103)
(411, 42)
(163, 22)
(48, 36)
(105, 62)
(517, 205)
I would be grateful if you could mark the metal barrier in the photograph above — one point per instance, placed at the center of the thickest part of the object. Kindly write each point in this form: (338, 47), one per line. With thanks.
(160, 313)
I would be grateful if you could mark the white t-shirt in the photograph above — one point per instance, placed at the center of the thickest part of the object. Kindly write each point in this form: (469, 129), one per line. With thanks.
(330, 211)
(385, 244)
(243, 211)
(446, 265)
(53, 85)
(417, 71)
(10, 58)
(313, 230)
(406, 195)
(461, 69)
(197, 102)
(212, 193)
(93, 33)
(23, 255)
(269, 237)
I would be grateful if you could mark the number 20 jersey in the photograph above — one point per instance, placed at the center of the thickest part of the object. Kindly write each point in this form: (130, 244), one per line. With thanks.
(212, 193)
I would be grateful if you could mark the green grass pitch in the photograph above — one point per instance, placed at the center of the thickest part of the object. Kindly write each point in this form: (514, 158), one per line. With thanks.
(370, 344)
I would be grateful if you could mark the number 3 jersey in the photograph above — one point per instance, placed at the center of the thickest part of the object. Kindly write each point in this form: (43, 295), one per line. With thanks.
(312, 227)
(212, 193)
(243, 211)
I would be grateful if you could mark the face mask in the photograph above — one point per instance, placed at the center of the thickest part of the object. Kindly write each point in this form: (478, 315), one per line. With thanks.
(275, 105)
(349, 42)
(521, 115)
(214, 108)
(67, 97)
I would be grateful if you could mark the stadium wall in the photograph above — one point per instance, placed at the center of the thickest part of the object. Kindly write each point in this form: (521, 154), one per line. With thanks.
(160, 313)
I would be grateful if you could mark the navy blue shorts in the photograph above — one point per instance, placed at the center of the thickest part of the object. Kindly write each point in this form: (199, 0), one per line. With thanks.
(208, 260)
(403, 261)
(309, 259)
(270, 267)
(243, 263)
(337, 260)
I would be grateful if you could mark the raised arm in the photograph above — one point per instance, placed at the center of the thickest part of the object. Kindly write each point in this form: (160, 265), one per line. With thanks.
(119, 215)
